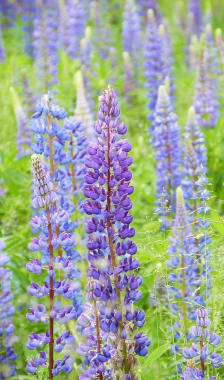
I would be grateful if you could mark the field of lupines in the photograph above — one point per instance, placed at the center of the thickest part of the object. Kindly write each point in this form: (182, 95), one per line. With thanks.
(111, 189)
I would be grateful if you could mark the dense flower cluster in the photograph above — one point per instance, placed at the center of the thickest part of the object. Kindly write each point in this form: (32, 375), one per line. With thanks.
(59, 281)
(183, 278)
(29, 9)
(205, 102)
(75, 24)
(7, 338)
(199, 353)
(165, 140)
(145, 5)
(45, 43)
(158, 60)
(196, 195)
(131, 32)
(113, 286)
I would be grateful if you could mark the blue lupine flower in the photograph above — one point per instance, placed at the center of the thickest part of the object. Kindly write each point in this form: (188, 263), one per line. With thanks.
(29, 8)
(183, 278)
(45, 43)
(199, 351)
(165, 140)
(110, 248)
(75, 24)
(46, 199)
(145, 5)
(7, 339)
(131, 32)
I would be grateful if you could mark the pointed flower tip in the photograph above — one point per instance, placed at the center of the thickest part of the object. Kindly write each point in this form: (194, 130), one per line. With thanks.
(180, 197)
(161, 30)
(191, 115)
(150, 15)
(162, 93)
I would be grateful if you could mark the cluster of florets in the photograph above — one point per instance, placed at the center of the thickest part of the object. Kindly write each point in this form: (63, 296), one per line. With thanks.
(183, 278)
(199, 353)
(45, 43)
(158, 60)
(52, 227)
(7, 338)
(165, 140)
(111, 252)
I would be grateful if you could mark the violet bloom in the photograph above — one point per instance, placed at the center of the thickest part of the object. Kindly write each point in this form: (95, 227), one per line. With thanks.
(7, 10)
(165, 140)
(75, 24)
(113, 282)
(28, 9)
(196, 194)
(145, 5)
(44, 198)
(153, 62)
(56, 136)
(183, 277)
(205, 102)
(7, 338)
(131, 32)
(199, 352)
(194, 24)
(45, 42)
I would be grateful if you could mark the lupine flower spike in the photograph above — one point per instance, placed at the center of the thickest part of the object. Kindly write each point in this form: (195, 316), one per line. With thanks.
(131, 32)
(113, 285)
(196, 195)
(199, 357)
(205, 102)
(45, 198)
(182, 278)
(7, 338)
(165, 140)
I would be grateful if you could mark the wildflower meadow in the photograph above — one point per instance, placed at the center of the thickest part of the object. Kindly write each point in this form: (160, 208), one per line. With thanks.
(112, 189)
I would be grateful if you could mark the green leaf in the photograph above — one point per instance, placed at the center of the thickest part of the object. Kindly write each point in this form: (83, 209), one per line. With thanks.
(159, 351)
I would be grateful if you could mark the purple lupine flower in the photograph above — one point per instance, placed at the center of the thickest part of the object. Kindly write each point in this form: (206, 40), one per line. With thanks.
(205, 102)
(145, 5)
(29, 99)
(46, 199)
(131, 32)
(194, 24)
(199, 351)
(110, 248)
(7, 9)
(153, 62)
(166, 58)
(195, 13)
(75, 24)
(2, 48)
(63, 146)
(129, 80)
(45, 43)
(165, 140)
(183, 278)
(7, 338)
(196, 195)
(28, 9)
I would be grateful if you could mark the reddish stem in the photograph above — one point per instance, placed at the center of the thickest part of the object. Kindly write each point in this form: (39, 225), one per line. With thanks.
(51, 295)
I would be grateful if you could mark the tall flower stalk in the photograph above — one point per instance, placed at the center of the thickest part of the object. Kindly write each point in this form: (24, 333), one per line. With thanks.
(183, 278)
(7, 338)
(165, 140)
(113, 284)
(45, 198)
